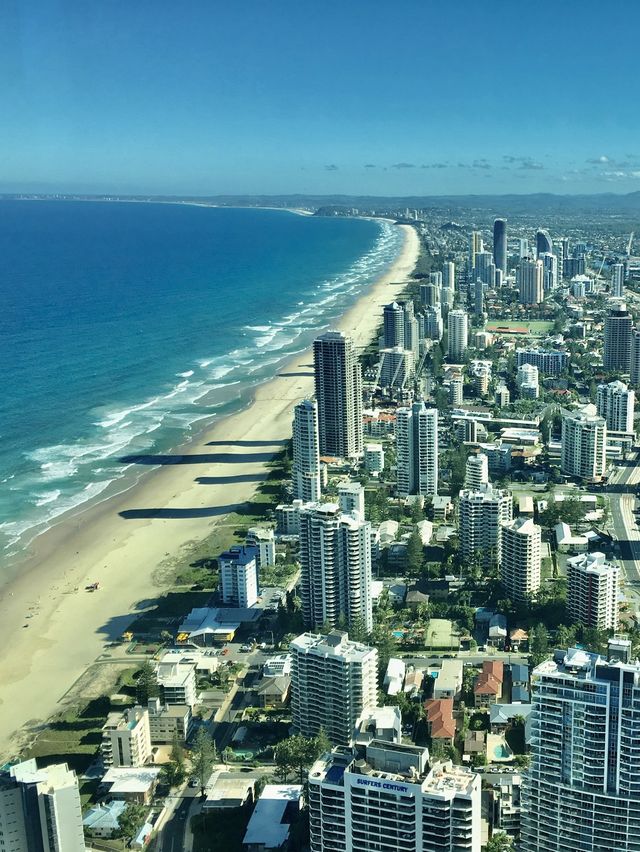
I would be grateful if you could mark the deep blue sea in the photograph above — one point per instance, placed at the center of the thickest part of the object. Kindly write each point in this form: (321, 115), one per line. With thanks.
(123, 326)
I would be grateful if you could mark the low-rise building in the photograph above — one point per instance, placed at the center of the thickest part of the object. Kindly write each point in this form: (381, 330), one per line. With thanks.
(103, 819)
(278, 806)
(448, 683)
(378, 723)
(488, 686)
(440, 721)
(273, 692)
(177, 681)
(167, 721)
(226, 790)
(131, 784)
(263, 540)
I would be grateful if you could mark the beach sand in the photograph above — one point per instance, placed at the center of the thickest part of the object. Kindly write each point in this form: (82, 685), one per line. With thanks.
(53, 629)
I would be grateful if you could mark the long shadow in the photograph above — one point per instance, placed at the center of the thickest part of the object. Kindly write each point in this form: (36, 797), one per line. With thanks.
(199, 458)
(294, 375)
(229, 480)
(274, 443)
(177, 514)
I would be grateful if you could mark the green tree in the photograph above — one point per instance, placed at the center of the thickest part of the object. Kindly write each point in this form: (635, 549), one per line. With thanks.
(203, 756)
(296, 754)
(322, 742)
(478, 759)
(415, 553)
(500, 843)
(131, 820)
(539, 644)
(146, 684)
(174, 771)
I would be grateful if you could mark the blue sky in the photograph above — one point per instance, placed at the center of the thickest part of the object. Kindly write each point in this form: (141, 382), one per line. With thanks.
(355, 96)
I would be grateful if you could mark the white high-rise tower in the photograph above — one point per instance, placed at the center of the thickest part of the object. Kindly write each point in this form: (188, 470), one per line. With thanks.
(520, 566)
(483, 511)
(417, 450)
(306, 452)
(458, 334)
(530, 281)
(616, 403)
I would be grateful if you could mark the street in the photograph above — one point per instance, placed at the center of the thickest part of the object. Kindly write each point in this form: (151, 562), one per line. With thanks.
(622, 500)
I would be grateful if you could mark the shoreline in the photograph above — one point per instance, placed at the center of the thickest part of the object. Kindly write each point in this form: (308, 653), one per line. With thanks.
(123, 541)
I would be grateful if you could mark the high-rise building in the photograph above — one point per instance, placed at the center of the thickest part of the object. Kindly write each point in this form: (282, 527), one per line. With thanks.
(617, 280)
(449, 275)
(530, 281)
(126, 738)
(558, 250)
(634, 374)
(396, 367)
(582, 790)
(456, 390)
(40, 809)
(239, 576)
(338, 385)
(476, 245)
(520, 566)
(592, 591)
(549, 271)
(502, 397)
(615, 402)
(436, 278)
(527, 381)
(478, 299)
(500, 244)
(457, 334)
(385, 796)
(476, 471)
(417, 450)
(432, 327)
(335, 559)
(306, 452)
(523, 248)
(332, 681)
(483, 512)
(618, 326)
(584, 444)
(429, 295)
(543, 243)
(548, 361)
(485, 268)
(351, 498)
(393, 324)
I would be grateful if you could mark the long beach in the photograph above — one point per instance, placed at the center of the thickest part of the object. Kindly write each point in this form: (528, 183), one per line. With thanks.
(53, 629)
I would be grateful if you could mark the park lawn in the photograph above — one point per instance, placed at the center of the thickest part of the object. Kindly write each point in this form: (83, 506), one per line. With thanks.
(534, 326)
(72, 737)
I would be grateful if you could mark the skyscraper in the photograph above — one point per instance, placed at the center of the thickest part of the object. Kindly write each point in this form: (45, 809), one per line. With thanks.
(617, 338)
(483, 511)
(338, 385)
(549, 272)
(520, 565)
(615, 402)
(393, 324)
(417, 450)
(332, 681)
(500, 244)
(335, 560)
(476, 471)
(582, 790)
(449, 275)
(306, 452)
(617, 280)
(634, 374)
(592, 591)
(543, 243)
(457, 334)
(476, 245)
(584, 444)
(530, 281)
(479, 288)
(40, 809)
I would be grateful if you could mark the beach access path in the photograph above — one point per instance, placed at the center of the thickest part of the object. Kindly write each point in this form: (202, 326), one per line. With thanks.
(53, 629)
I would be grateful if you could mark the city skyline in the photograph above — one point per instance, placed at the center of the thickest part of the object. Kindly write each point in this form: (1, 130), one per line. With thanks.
(237, 100)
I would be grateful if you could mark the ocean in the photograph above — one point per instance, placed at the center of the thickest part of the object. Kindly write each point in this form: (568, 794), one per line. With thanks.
(126, 327)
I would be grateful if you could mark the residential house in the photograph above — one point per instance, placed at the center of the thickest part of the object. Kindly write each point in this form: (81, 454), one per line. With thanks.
(273, 692)
(488, 686)
(440, 721)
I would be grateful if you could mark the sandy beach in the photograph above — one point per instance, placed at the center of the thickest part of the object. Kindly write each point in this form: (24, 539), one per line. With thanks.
(53, 629)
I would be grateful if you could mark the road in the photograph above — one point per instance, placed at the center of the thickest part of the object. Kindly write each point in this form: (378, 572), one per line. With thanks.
(170, 838)
(620, 491)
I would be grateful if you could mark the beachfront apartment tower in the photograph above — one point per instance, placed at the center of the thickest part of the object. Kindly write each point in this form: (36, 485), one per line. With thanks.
(592, 591)
(40, 809)
(616, 403)
(239, 576)
(457, 334)
(617, 280)
(634, 375)
(584, 444)
(306, 452)
(417, 450)
(500, 244)
(530, 277)
(482, 513)
(332, 681)
(582, 790)
(476, 471)
(618, 327)
(386, 796)
(335, 559)
(520, 565)
(393, 325)
(338, 385)
(126, 738)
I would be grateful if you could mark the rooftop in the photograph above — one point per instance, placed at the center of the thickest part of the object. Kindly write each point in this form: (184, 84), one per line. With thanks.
(266, 825)
(335, 644)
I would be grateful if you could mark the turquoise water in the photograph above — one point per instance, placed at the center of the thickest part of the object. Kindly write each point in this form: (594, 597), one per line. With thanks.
(125, 326)
(501, 752)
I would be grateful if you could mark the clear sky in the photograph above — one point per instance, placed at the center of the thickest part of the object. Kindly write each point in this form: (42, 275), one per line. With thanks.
(354, 96)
